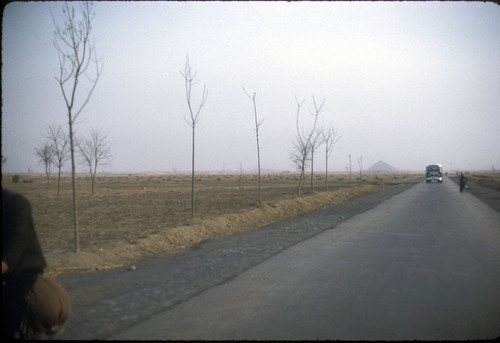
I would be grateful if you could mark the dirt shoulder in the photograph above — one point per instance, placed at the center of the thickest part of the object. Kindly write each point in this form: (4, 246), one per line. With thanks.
(181, 237)
(123, 252)
(486, 188)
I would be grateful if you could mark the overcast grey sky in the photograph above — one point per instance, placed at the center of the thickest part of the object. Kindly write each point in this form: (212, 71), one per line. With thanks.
(409, 83)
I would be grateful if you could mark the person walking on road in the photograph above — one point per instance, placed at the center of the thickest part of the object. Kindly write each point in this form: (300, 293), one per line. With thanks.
(463, 182)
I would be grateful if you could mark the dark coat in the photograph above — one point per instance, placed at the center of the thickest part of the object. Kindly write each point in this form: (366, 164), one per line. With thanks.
(463, 179)
(20, 246)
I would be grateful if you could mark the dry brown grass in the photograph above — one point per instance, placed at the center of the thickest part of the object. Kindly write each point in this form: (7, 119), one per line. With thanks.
(134, 216)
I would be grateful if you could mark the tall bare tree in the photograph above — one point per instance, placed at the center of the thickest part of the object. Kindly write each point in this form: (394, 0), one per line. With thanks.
(302, 144)
(95, 152)
(330, 138)
(194, 114)
(59, 142)
(360, 164)
(258, 123)
(45, 156)
(300, 149)
(72, 40)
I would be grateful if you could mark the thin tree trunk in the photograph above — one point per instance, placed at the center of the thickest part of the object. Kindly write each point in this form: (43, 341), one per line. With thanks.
(94, 175)
(258, 160)
(312, 171)
(58, 180)
(302, 179)
(192, 177)
(257, 124)
(73, 184)
(326, 170)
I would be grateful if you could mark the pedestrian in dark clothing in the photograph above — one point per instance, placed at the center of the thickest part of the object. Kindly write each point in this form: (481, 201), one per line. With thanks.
(462, 181)
(22, 260)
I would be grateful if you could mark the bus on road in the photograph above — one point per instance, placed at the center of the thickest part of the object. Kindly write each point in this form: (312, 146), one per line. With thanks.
(434, 172)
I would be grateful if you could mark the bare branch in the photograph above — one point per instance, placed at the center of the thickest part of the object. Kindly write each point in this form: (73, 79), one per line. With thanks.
(330, 138)
(75, 54)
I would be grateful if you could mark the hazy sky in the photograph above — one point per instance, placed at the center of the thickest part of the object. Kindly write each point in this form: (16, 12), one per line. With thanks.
(409, 83)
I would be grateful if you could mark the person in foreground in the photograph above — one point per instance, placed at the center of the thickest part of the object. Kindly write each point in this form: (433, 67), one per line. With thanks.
(31, 303)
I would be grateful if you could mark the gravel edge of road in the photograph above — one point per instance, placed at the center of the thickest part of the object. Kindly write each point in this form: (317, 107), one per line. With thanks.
(487, 195)
(105, 302)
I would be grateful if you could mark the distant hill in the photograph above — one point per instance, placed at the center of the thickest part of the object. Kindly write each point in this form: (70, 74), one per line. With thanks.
(382, 166)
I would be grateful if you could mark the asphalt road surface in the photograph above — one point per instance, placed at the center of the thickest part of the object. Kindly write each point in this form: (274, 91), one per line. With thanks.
(418, 261)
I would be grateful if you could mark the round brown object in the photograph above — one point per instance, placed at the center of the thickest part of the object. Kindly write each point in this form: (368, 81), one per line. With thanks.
(48, 306)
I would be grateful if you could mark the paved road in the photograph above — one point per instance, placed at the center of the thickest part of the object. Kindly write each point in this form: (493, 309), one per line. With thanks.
(422, 264)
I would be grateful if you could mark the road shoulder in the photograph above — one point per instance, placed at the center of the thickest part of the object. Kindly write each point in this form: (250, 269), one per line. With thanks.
(487, 195)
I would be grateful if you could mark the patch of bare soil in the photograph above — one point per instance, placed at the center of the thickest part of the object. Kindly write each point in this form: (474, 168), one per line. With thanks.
(136, 216)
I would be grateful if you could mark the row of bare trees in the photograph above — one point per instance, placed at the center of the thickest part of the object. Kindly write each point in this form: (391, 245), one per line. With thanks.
(193, 117)
(305, 145)
(94, 152)
(80, 69)
(308, 141)
(349, 166)
(54, 152)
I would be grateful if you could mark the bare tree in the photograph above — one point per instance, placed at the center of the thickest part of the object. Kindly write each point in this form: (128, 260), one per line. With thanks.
(360, 164)
(95, 152)
(44, 154)
(350, 168)
(315, 143)
(189, 78)
(298, 156)
(330, 138)
(302, 144)
(258, 123)
(60, 149)
(300, 149)
(76, 52)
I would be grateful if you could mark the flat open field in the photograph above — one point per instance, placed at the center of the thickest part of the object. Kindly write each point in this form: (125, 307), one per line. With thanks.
(134, 216)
